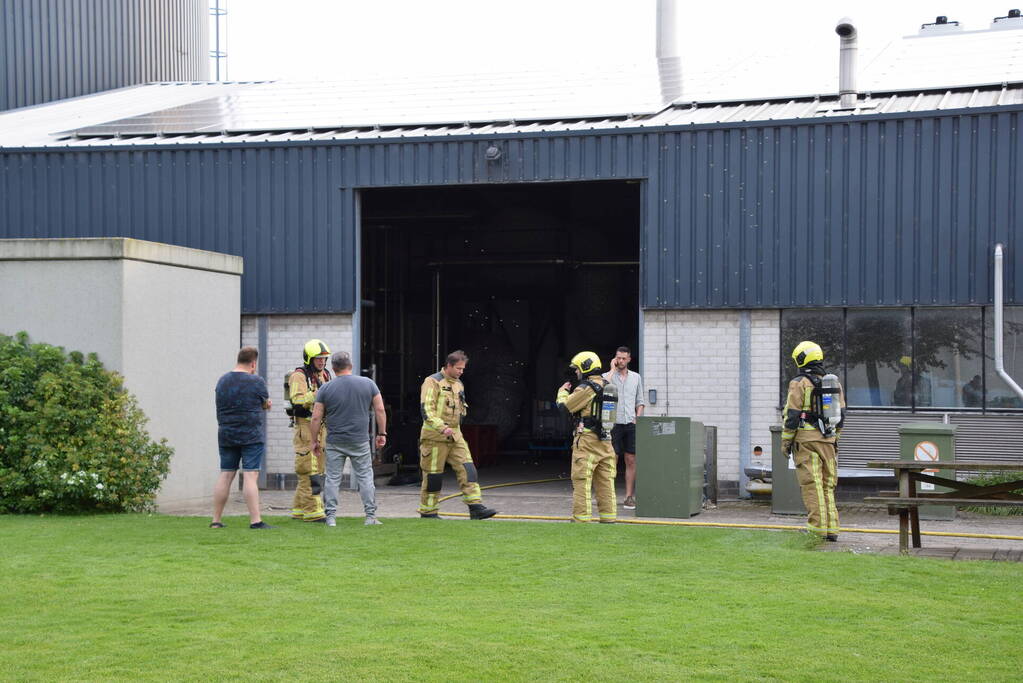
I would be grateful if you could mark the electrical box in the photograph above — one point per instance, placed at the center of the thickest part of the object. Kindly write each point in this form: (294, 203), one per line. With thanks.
(670, 454)
(786, 496)
(932, 442)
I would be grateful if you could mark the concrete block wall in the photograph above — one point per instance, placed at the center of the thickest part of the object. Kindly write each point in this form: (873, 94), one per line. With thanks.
(692, 359)
(130, 301)
(286, 335)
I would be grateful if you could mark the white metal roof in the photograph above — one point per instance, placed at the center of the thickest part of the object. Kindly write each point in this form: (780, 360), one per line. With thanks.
(677, 115)
(939, 61)
(918, 73)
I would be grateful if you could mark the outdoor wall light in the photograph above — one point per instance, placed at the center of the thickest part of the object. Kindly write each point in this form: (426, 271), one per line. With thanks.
(652, 396)
(493, 153)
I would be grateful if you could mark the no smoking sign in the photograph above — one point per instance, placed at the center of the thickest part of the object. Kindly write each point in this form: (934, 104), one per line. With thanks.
(926, 451)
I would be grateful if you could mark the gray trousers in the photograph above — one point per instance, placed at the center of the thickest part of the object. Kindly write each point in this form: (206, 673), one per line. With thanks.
(362, 468)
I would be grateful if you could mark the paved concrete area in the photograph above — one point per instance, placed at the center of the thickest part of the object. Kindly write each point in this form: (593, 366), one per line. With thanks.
(553, 499)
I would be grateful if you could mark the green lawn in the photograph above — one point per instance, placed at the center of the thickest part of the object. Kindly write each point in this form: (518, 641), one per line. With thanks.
(133, 597)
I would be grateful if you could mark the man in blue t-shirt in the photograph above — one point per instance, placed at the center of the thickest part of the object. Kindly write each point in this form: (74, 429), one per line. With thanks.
(242, 400)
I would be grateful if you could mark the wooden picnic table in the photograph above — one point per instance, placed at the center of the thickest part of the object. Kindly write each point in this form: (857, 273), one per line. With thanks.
(907, 500)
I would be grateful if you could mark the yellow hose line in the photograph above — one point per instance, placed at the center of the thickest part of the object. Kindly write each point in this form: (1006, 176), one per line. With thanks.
(726, 525)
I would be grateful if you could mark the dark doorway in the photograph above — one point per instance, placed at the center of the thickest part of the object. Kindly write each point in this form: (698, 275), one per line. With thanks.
(521, 277)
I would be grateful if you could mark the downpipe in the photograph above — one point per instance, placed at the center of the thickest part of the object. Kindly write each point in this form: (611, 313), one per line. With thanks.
(999, 332)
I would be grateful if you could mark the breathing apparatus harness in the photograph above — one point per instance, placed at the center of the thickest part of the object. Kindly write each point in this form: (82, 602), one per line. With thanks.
(825, 406)
(312, 378)
(599, 416)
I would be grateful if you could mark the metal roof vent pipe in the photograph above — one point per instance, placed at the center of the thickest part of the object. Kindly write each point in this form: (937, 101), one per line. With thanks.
(1010, 20)
(940, 26)
(669, 63)
(846, 63)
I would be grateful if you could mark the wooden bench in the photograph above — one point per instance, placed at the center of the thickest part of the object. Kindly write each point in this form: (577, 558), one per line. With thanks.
(907, 501)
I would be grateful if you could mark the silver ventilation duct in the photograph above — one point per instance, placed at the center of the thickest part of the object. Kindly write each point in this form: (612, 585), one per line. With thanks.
(669, 64)
(847, 49)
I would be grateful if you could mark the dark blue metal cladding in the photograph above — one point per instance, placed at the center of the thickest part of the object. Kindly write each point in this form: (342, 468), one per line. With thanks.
(53, 49)
(279, 208)
(891, 211)
(868, 212)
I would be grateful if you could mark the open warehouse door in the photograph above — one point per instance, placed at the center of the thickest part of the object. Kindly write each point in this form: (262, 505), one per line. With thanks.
(520, 277)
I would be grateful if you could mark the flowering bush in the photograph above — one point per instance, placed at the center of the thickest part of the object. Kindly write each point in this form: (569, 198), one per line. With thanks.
(72, 439)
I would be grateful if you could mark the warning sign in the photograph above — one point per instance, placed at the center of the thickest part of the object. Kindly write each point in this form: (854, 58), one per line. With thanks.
(926, 451)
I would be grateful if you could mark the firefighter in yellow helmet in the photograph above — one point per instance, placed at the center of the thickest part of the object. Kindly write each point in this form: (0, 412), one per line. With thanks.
(442, 400)
(302, 386)
(813, 417)
(593, 459)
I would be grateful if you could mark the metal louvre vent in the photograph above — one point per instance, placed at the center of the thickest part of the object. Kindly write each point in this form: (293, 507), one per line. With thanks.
(988, 437)
(870, 436)
(875, 436)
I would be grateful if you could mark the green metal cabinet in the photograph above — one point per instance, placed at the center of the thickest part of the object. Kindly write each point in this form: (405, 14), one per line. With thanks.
(930, 441)
(786, 497)
(669, 466)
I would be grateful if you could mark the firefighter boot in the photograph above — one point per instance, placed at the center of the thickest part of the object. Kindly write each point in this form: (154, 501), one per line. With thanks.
(480, 511)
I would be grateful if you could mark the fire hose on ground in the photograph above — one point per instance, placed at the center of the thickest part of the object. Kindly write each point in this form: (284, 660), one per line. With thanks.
(725, 525)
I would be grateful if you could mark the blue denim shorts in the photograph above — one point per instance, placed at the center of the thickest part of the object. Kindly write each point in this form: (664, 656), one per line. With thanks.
(249, 456)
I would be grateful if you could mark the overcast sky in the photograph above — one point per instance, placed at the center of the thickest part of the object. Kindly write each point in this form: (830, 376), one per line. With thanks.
(326, 39)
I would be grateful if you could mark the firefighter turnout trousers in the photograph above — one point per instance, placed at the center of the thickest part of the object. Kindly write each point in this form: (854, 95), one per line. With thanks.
(306, 506)
(817, 473)
(593, 463)
(433, 455)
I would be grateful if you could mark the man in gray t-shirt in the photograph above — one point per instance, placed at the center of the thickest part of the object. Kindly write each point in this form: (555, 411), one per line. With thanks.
(344, 403)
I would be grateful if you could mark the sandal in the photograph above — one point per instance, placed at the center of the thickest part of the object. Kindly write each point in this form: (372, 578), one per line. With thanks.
(216, 525)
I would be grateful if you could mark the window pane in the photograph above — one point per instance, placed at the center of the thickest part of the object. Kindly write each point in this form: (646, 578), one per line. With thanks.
(823, 326)
(946, 355)
(999, 395)
(877, 340)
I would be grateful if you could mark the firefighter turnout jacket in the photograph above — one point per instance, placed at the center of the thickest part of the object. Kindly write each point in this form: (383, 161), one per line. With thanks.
(593, 460)
(814, 453)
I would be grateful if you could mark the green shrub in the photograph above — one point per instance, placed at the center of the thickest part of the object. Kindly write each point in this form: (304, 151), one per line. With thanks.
(72, 439)
(996, 478)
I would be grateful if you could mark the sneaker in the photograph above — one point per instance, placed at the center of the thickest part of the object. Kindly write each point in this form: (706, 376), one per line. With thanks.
(831, 537)
(629, 503)
(480, 511)
(372, 521)
(261, 525)
(216, 525)
(331, 521)
(429, 515)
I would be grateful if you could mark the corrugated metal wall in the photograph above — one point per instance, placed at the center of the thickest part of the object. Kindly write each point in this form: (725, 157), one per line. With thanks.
(45, 55)
(857, 213)
(280, 209)
(875, 212)
(875, 436)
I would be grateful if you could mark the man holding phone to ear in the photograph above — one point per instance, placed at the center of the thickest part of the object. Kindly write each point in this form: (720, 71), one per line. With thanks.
(630, 406)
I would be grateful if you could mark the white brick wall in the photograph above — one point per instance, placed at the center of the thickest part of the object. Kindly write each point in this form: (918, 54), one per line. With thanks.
(764, 381)
(695, 369)
(286, 335)
(692, 359)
